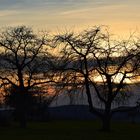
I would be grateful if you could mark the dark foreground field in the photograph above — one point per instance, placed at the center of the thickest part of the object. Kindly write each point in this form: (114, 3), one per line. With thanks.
(71, 130)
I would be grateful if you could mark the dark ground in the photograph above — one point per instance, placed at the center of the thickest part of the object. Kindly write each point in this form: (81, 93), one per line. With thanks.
(70, 130)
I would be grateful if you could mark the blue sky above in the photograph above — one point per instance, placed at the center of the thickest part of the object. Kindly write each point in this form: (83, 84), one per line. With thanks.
(120, 15)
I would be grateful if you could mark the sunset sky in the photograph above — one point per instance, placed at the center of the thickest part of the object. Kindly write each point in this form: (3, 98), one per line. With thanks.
(122, 16)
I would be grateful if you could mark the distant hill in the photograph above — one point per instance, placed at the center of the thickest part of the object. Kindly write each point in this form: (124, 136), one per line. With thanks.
(81, 112)
(71, 112)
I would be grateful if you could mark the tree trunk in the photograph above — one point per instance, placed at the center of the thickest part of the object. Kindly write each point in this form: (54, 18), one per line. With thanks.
(106, 119)
(87, 85)
(23, 122)
(106, 123)
(22, 117)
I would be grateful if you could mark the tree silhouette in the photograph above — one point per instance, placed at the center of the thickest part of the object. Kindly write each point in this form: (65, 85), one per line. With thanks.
(103, 63)
(21, 66)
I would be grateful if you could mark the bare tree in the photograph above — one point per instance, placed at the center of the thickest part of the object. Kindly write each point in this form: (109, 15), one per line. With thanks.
(21, 65)
(103, 63)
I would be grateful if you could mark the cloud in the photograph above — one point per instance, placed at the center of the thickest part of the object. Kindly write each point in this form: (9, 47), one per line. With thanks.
(61, 13)
(69, 12)
(54, 5)
(6, 13)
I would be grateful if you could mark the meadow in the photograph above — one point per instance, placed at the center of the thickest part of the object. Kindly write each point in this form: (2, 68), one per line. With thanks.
(70, 130)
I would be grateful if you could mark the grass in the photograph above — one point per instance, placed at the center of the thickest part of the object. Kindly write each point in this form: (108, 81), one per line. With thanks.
(70, 130)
